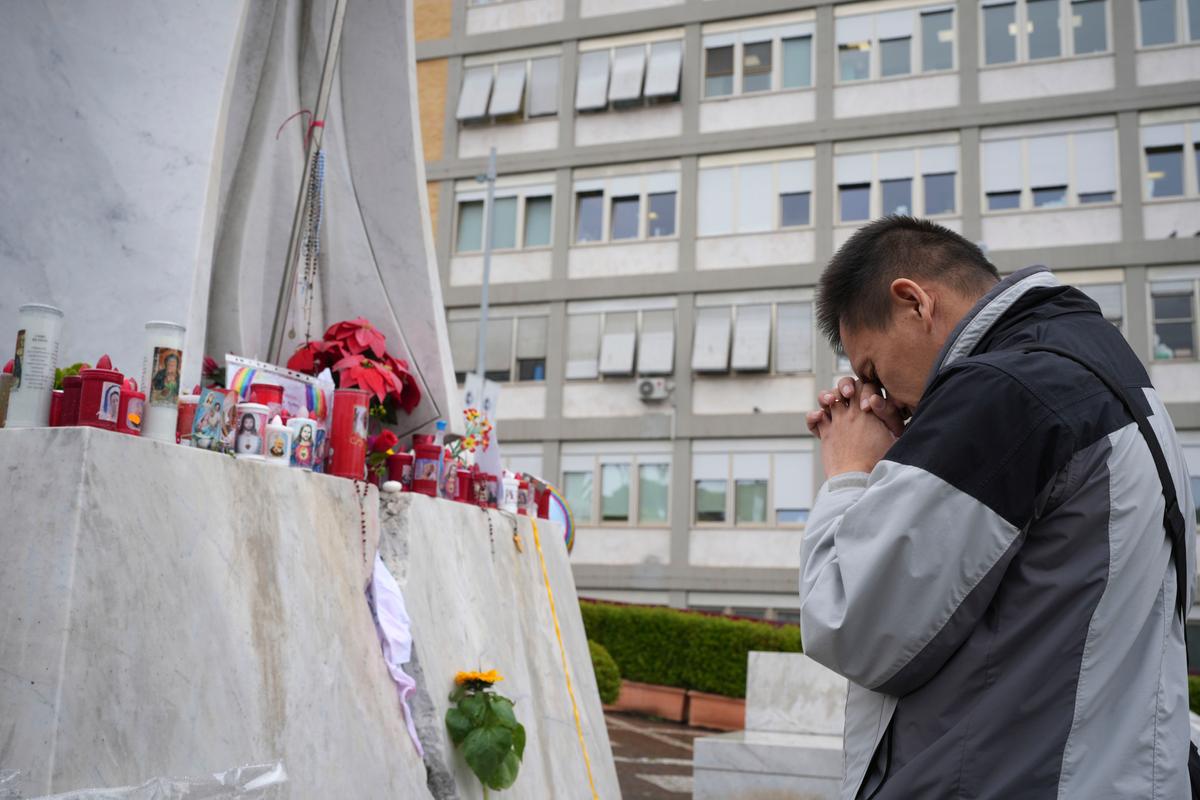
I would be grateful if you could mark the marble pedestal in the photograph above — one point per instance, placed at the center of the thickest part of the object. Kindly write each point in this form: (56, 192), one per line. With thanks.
(172, 612)
(792, 746)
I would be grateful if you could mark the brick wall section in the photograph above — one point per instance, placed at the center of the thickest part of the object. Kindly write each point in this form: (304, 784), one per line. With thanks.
(434, 197)
(431, 96)
(431, 19)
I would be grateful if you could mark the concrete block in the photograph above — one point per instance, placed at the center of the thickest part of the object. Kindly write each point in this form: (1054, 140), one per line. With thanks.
(173, 612)
(790, 692)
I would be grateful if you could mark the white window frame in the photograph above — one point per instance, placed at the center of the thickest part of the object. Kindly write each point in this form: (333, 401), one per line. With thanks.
(1182, 26)
(602, 309)
(776, 160)
(648, 184)
(747, 448)
(1066, 34)
(772, 299)
(916, 60)
(528, 57)
(631, 456)
(500, 313)
(875, 209)
(1174, 275)
(1026, 205)
(1191, 132)
(773, 33)
(522, 194)
(611, 46)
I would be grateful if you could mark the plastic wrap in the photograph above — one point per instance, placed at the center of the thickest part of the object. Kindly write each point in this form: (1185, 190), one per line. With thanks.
(252, 782)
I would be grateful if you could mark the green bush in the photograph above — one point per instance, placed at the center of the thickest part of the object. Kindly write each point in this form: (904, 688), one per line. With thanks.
(608, 676)
(688, 650)
(1194, 693)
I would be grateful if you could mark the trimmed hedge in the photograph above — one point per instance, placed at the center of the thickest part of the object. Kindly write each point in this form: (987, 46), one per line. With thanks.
(608, 676)
(689, 650)
(1194, 693)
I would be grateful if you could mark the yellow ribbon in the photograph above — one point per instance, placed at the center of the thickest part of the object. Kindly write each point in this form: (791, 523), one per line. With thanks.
(562, 650)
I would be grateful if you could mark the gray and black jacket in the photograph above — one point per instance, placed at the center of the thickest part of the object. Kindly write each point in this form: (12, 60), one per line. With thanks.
(999, 590)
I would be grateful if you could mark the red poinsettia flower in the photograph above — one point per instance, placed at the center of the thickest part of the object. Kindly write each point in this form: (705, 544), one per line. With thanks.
(364, 373)
(8, 368)
(210, 366)
(358, 335)
(411, 396)
(385, 441)
(312, 357)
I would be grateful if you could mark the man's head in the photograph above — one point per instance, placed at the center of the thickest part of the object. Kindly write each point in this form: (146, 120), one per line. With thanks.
(893, 294)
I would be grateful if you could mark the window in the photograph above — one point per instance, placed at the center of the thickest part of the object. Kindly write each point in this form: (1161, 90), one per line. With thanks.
(872, 184)
(610, 342)
(756, 67)
(1043, 29)
(797, 62)
(854, 202)
(1191, 456)
(1000, 33)
(521, 219)
(754, 197)
(653, 493)
(515, 346)
(538, 221)
(1164, 171)
(625, 217)
(740, 336)
(510, 90)
(1090, 26)
(1172, 157)
(1041, 24)
(734, 484)
(470, 226)
(1157, 18)
(1111, 299)
(589, 216)
(1173, 305)
(628, 75)
(718, 71)
(660, 214)
(621, 217)
(504, 220)
(937, 40)
(762, 59)
(897, 36)
(631, 488)
(577, 491)
(1048, 171)
(614, 492)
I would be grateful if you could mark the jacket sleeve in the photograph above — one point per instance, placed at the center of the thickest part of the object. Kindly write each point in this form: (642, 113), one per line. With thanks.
(898, 566)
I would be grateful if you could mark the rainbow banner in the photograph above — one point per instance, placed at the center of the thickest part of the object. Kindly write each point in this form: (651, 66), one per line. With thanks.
(560, 512)
(318, 408)
(242, 380)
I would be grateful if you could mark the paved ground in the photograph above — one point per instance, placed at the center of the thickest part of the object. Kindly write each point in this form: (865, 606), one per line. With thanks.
(654, 757)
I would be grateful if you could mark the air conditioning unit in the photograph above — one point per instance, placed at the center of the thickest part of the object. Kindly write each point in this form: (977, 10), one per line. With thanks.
(652, 390)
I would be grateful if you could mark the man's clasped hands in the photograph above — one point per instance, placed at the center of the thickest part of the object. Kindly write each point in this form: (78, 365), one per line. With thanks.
(856, 424)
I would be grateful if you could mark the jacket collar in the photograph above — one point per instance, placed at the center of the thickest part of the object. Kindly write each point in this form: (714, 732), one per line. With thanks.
(984, 315)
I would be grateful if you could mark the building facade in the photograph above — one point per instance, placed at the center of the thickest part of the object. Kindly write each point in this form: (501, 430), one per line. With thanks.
(673, 174)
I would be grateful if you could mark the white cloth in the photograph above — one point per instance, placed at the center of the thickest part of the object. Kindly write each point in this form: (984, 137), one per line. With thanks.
(395, 637)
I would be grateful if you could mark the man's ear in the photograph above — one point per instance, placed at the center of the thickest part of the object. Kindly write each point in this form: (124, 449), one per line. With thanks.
(909, 299)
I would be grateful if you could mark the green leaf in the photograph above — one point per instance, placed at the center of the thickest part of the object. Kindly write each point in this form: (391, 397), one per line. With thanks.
(502, 707)
(485, 750)
(506, 775)
(519, 741)
(474, 707)
(458, 694)
(458, 724)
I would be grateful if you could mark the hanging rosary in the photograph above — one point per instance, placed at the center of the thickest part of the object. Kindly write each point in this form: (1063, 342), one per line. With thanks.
(311, 240)
(361, 490)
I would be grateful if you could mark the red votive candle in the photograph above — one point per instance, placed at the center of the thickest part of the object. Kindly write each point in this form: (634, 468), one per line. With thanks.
(348, 436)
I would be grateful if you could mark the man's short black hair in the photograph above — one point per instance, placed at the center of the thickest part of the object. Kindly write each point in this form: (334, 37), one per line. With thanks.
(855, 287)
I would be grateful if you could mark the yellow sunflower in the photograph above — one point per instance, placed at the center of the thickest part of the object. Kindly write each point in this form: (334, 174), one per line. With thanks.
(489, 677)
